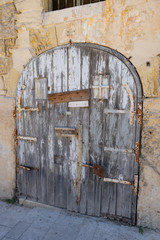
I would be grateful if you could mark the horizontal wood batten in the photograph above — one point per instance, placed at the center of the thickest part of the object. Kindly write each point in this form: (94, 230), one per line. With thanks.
(81, 95)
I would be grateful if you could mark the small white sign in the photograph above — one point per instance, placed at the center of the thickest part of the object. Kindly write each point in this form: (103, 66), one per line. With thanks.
(78, 104)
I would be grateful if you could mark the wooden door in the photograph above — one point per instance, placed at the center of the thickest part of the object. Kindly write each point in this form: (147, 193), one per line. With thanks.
(78, 128)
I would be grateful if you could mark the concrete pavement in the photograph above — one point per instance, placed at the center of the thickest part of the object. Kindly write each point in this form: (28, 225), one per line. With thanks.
(22, 223)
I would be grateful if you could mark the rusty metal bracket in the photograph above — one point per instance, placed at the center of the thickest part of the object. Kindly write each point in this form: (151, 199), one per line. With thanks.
(27, 109)
(134, 184)
(32, 139)
(139, 113)
(137, 151)
(111, 180)
(27, 168)
(15, 137)
(17, 166)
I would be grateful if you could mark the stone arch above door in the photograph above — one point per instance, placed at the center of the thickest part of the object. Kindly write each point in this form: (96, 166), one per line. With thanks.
(78, 130)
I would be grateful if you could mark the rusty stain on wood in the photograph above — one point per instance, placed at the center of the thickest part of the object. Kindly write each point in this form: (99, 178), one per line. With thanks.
(139, 113)
(65, 131)
(77, 182)
(17, 166)
(115, 217)
(81, 95)
(32, 139)
(131, 98)
(137, 151)
(97, 169)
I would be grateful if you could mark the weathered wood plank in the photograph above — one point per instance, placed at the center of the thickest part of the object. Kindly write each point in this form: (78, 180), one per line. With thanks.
(85, 71)
(61, 152)
(74, 83)
(98, 65)
(30, 156)
(110, 122)
(60, 70)
(74, 69)
(72, 159)
(51, 153)
(84, 119)
(42, 141)
(80, 95)
(21, 176)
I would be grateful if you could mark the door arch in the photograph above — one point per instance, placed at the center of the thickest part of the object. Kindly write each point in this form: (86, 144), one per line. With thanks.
(78, 131)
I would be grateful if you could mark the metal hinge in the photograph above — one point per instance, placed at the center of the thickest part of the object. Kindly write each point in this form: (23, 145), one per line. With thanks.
(32, 139)
(27, 168)
(134, 183)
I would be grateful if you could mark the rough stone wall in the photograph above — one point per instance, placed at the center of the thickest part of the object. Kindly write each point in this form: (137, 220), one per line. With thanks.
(128, 26)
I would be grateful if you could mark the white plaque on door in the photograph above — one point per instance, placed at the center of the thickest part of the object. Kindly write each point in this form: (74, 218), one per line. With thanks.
(78, 104)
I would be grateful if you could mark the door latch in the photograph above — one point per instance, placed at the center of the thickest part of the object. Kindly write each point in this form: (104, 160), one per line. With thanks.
(97, 169)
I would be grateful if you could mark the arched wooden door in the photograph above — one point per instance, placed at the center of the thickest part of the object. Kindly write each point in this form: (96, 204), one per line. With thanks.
(78, 129)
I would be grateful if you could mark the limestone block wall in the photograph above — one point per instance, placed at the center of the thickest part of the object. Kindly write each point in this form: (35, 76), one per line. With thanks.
(128, 26)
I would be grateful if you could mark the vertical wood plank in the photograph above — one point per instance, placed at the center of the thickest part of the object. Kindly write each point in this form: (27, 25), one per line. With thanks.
(129, 142)
(98, 66)
(60, 70)
(50, 72)
(21, 176)
(84, 119)
(74, 68)
(74, 83)
(110, 160)
(60, 158)
(50, 154)
(42, 141)
(85, 62)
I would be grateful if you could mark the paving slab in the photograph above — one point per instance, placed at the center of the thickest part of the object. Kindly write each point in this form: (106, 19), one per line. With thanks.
(18, 230)
(36, 223)
(3, 231)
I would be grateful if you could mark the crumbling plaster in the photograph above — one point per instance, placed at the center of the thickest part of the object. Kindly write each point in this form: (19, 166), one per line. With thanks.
(128, 26)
